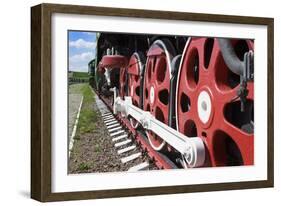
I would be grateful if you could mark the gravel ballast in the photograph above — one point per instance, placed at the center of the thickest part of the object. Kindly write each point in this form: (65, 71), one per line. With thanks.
(95, 152)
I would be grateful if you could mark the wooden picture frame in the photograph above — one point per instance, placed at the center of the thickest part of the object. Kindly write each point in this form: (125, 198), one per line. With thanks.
(41, 96)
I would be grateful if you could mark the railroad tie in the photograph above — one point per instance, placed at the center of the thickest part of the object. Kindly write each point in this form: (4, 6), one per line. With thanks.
(109, 120)
(119, 144)
(114, 129)
(131, 157)
(111, 123)
(106, 114)
(126, 149)
(108, 117)
(119, 137)
(116, 133)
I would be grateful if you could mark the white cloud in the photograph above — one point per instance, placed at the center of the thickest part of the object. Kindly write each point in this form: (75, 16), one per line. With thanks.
(82, 57)
(81, 43)
(79, 62)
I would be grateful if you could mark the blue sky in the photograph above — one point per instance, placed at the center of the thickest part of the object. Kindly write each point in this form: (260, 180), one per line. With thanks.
(82, 49)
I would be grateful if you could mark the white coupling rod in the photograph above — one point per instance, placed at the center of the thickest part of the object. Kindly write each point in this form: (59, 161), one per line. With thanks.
(192, 148)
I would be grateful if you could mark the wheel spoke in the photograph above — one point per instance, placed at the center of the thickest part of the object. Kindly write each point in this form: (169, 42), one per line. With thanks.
(201, 55)
(153, 70)
(163, 108)
(213, 64)
(186, 116)
(229, 96)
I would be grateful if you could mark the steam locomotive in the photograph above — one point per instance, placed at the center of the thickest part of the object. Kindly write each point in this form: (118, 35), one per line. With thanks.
(198, 86)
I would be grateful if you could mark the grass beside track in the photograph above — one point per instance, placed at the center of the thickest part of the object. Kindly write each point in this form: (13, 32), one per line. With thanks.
(88, 115)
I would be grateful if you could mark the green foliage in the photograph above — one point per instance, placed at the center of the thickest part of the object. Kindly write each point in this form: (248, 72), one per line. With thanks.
(97, 148)
(83, 166)
(80, 75)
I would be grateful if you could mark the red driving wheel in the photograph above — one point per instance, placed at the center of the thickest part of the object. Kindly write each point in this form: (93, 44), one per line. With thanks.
(134, 69)
(207, 105)
(157, 85)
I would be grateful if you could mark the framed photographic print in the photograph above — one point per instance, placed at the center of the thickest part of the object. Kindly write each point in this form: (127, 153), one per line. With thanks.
(137, 102)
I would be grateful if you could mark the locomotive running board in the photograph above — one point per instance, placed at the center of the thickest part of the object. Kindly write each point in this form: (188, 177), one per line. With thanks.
(191, 148)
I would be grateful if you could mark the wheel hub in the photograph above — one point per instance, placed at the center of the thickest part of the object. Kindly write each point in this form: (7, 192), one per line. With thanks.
(152, 94)
(204, 106)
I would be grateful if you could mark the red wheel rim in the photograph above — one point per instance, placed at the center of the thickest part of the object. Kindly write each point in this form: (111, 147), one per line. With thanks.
(206, 98)
(134, 82)
(157, 86)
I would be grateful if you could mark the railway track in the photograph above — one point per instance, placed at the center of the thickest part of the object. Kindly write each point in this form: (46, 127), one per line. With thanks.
(131, 145)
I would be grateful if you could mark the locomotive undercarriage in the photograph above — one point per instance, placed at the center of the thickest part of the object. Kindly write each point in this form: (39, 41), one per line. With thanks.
(192, 97)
